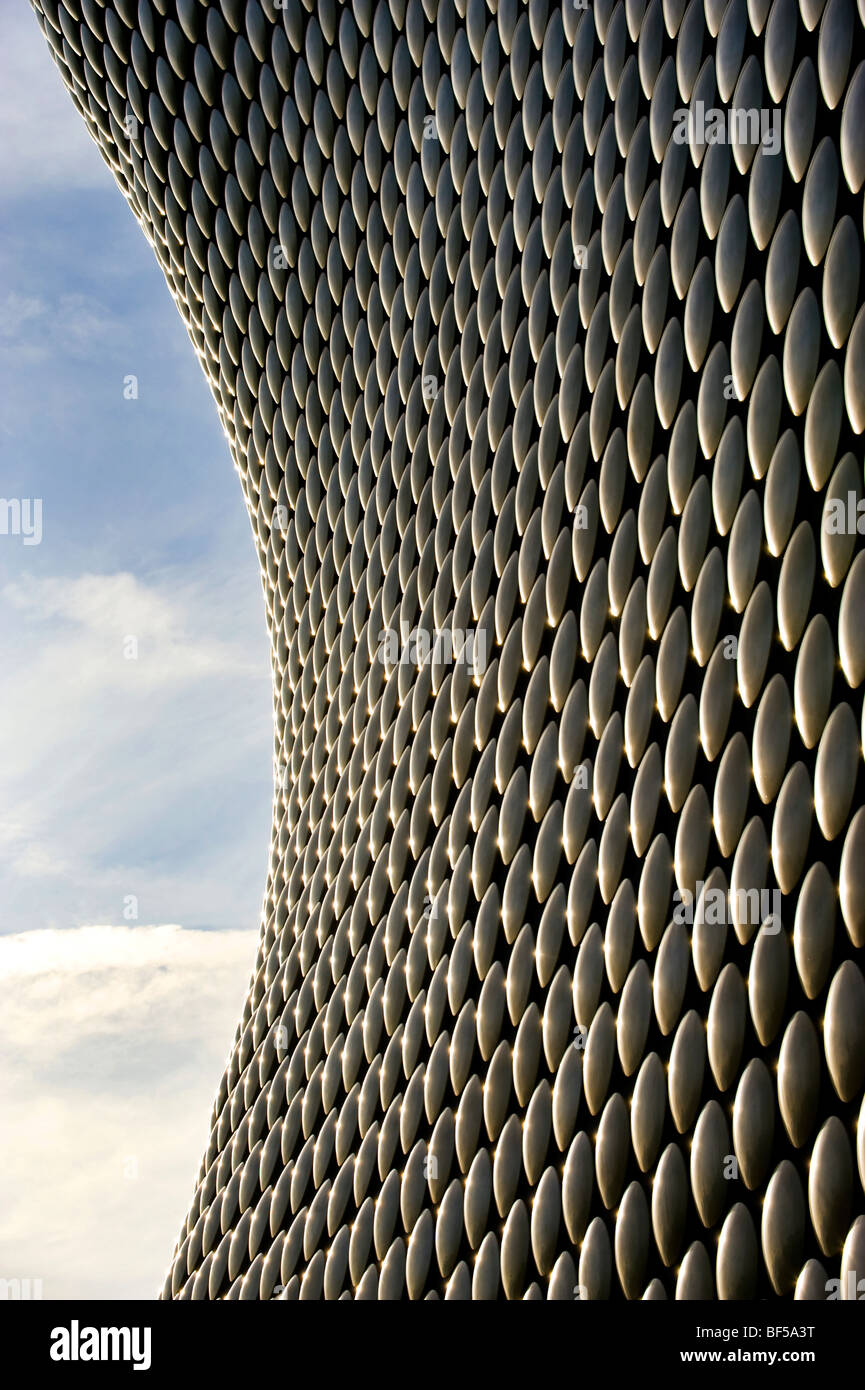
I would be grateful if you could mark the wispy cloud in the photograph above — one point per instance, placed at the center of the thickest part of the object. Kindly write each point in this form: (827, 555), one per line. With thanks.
(36, 328)
(126, 737)
(44, 145)
(112, 1042)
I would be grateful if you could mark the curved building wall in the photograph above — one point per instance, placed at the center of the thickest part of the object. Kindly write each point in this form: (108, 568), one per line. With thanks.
(536, 332)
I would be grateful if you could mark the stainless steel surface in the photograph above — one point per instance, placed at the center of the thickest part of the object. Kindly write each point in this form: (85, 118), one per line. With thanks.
(496, 352)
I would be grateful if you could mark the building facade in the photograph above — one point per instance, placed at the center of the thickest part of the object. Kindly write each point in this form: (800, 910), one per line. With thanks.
(536, 334)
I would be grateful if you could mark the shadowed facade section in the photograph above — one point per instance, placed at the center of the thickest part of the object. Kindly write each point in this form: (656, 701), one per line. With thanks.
(548, 416)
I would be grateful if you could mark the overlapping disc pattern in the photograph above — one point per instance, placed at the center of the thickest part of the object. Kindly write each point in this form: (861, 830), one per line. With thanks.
(549, 422)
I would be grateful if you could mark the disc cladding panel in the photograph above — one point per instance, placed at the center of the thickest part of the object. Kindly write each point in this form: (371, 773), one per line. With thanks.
(548, 414)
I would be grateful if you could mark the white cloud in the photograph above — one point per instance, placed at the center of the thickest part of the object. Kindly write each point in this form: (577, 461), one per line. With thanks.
(18, 310)
(45, 142)
(112, 1044)
(36, 329)
(96, 601)
(149, 776)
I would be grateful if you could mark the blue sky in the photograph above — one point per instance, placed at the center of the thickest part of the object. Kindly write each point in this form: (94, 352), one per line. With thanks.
(127, 785)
